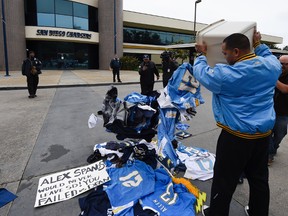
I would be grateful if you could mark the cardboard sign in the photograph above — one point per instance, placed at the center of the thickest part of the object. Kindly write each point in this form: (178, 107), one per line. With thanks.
(65, 185)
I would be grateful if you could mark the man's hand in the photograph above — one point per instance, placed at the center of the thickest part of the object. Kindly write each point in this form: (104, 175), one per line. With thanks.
(256, 37)
(201, 48)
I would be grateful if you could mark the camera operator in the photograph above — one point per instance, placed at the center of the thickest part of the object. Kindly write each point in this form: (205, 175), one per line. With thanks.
(169, 65)
(147, 70)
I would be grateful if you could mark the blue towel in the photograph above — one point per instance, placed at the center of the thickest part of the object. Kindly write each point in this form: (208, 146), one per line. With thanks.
(6, 197)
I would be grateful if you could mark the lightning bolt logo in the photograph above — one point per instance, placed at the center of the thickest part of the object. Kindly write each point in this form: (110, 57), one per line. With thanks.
(200, 201)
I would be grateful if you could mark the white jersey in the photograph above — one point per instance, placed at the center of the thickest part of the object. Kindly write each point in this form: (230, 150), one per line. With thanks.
(199, 162)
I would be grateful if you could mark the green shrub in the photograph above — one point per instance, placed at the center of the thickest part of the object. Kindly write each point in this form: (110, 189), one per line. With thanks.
(129, 63)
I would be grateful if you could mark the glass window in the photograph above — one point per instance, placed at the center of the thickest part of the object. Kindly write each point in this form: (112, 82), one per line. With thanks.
(80, 10)
(45, 19)
(65, 55)
(63, 7)
(64, 21)
(80, 23)
(45, 6)
(93, 19)
(135, 35)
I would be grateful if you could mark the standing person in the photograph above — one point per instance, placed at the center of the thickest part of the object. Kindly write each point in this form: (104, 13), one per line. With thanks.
(31, 68)
(115, 65)
(243, 107)
(169, 65)
(281, 108)
(147, 69)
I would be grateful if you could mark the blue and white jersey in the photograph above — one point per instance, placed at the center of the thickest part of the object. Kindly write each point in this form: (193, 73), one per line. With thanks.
(184, 89)
(199, 162)
(191, 151)
(165, 131)
(128, 184)
(137, 98)
(169, 199)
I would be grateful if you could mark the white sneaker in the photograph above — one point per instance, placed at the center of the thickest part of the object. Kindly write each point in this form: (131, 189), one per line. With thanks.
(246, 210)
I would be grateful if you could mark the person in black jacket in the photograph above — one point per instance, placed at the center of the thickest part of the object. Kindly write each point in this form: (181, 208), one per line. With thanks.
(115, 65)
(280, 105)
(147, 69)
(31, 68)
(169, 65)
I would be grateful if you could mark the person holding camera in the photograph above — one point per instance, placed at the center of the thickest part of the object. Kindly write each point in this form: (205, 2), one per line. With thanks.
(169, 65)
(147, 69)
(31, 68)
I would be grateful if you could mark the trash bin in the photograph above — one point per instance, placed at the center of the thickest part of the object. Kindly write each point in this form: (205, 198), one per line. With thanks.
(215, 33)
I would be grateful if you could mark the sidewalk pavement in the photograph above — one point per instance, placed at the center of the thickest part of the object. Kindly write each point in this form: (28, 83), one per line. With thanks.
(67, 78)
(29, 140)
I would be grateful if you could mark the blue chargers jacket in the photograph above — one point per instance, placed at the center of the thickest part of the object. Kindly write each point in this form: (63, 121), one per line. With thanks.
(242, 93)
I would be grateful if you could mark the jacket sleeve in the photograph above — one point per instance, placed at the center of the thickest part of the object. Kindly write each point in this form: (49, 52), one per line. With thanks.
(210, 78)
(155, 70)
(264, 51)
(140, 69)
(28, 67)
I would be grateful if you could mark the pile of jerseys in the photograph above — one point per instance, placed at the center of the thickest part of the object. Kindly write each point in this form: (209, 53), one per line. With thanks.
(120, 152)
(136, 117)
(137, 189)
(199, 162)
(177, 102)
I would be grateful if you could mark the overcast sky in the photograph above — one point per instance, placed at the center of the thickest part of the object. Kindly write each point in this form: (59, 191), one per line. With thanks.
(271, 16)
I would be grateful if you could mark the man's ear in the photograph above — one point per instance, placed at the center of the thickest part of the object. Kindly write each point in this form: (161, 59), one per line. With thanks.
(236, 52)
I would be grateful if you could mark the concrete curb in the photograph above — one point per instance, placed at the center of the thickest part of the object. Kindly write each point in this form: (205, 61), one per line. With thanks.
(65, 86)
(70, 85)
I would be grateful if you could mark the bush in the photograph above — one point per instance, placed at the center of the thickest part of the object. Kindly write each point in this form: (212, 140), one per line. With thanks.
(129, 63)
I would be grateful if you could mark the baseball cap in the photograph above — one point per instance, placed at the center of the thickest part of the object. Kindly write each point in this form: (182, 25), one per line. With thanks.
(145, 57)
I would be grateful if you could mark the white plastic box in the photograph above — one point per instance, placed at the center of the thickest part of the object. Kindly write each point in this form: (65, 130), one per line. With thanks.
(215, 33)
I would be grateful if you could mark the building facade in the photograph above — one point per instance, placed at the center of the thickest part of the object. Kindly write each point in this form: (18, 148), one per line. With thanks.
(65, 34)
(86, 34)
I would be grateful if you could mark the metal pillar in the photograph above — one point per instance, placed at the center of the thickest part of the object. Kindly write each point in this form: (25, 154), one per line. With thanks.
(4, 39)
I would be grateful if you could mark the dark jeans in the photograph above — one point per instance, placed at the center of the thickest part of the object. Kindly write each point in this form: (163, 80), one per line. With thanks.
(32, 84)
(235, 155)
(146, 88)
(278, 133)
(116, 72)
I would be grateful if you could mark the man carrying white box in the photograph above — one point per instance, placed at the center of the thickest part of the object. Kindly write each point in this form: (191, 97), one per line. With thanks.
(243, 107)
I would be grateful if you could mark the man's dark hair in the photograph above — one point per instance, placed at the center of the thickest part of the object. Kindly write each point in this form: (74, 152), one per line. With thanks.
(237, 40)
(31, 51)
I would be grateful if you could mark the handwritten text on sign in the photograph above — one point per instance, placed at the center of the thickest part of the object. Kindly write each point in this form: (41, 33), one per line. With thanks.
(64, 185)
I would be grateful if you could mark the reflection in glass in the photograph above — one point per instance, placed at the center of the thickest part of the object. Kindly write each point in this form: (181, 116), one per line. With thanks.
(66, 14)
(63, 7)
(80, 23)
(45, 6)
(45, 19)
(144, 36)
(80, 10)
(65, 55)
(64, 21)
